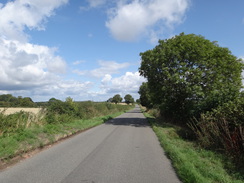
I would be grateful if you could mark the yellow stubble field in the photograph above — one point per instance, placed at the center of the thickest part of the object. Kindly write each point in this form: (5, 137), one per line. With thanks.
(13, 110)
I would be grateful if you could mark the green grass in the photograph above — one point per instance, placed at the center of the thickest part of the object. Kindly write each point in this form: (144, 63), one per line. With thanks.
(192, 163)
(37, 136)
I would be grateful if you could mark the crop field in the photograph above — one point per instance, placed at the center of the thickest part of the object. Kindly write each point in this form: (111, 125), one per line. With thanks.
(13, 110)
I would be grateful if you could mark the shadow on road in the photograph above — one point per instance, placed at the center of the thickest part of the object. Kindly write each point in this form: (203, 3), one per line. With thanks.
(130, 119)
(134, 111)
(136, 122)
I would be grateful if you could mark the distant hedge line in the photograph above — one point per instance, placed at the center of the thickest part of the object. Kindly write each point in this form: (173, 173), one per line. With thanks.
(55, 112)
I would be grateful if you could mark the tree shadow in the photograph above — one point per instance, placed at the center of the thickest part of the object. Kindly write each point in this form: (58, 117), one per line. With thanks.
(130, 121)
(134, 111)
(135, 122)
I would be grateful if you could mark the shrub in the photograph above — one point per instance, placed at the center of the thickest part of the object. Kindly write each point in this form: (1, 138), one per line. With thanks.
(15, 122)
(154, 112)
(223, 128)
(61, 112)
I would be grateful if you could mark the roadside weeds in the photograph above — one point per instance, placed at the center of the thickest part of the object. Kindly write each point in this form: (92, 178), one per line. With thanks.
(22, 145)
(192, 163)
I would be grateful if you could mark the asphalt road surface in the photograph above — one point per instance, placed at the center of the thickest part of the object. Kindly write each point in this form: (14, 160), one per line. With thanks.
(123, 150)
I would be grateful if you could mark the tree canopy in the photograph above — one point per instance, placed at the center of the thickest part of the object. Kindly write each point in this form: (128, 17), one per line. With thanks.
(8, 100)
(117, 99)
(189, 74)
(129, 99)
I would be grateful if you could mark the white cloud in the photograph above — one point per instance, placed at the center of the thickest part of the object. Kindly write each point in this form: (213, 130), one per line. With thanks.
(131, 20)
(78, 62)
(125, 84)
(16, 15)
(69, 88)
(106, 79)
(24, 65)
(57, 65)
(96, 3)
(93, 4)
(106, 67)
(60, 90)
(34, 70)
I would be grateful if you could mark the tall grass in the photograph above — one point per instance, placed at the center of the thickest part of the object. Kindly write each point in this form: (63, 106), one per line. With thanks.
(19, 121)
(194, 164)
(223, 129)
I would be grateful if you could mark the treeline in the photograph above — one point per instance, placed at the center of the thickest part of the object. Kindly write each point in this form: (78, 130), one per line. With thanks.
(53, 111)
(117, 99)
(196, 83)
(8, 100)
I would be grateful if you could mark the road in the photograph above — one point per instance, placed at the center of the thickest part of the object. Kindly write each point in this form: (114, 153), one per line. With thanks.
(123, 150)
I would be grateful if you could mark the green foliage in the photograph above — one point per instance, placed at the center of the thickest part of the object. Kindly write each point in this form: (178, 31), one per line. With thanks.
(27, 102)
(110, 100)
(8, 146)
(145, 98)
(193, 164)
(233, 111)
(7, 100)
(154, 112)
(14, 122)
(117, 99)
(129, 99)
(188, 75)
(58, 111)
(61, 112)
(21, 132)
(223, 129)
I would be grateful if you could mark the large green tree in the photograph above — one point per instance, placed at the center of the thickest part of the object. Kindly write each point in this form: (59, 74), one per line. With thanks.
(189, 74)
(117, 98)
(27, 102)
(129, 99)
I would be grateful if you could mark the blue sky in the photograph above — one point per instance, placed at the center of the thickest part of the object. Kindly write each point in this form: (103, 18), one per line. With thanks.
(89, 49)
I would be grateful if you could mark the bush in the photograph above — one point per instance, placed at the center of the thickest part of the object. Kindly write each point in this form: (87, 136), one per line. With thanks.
(59, 107)
(61, 112)
(154, 112)
(15, 122)
(223, 128)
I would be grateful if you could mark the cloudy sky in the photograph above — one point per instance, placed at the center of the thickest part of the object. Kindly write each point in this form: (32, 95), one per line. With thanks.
(89, 49)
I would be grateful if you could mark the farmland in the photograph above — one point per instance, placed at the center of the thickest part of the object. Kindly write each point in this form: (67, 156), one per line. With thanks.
(12, 110)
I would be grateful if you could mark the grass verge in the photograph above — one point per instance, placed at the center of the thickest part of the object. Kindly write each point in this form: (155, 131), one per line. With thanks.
(192, 163)
(19, 143)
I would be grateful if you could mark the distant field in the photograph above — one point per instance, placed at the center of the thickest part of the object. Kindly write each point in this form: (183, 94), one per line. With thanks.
(12, 110)
(123, 103)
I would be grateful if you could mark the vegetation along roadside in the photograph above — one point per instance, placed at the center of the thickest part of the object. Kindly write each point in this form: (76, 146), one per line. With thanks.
(192, 163)
(23, 132)
(195, 86)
